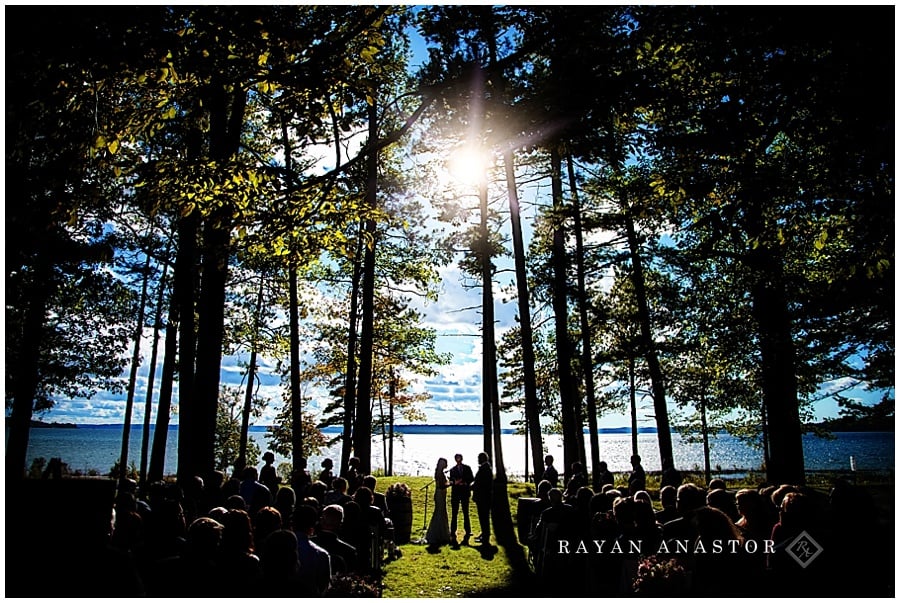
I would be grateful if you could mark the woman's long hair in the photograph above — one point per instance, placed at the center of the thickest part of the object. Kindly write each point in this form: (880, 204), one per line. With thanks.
(439, 475)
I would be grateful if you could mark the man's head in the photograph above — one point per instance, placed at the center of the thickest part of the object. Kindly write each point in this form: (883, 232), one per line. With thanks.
(689, 497)
(304, 519)
(458, 458)
(332, 517)
(543, 488)
(602, 465)
(340, 485)
(483, 458)
(548, 460)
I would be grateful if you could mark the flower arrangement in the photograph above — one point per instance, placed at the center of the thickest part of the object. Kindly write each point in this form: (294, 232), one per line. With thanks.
(351, 585)
(660, 576)
(398, 490)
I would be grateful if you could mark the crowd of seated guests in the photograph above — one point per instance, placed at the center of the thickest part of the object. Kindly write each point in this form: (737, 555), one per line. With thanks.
(321, 542)
(711, 541)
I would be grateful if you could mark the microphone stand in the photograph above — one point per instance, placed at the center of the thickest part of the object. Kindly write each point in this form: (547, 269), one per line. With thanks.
(425, 518)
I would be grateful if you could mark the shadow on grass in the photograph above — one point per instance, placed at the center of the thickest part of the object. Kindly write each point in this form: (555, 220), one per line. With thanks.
(523, 582)
(487, 551)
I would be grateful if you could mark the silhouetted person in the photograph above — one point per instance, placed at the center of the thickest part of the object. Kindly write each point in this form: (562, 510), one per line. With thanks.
(195, 572)
(326, 475)
(237, 557)
(338, 494)
(670, 475)
(213, 495)
(755, 519)
(253, 491)
(380, 500)
(667, 498)
(715, 575)
(689, 497)
(315, 562)
(301, 479)
(285, 501)
(604, 476)
(317, 490)
(717, 483)
(266, 521)
(165, 530)
(577, 478)
(369, 532)
(343, 554)
(461, 478)
(550, 473)
(638, 478)
(268, 475)
(352, 475)
(281, 568)
(482, 494)
(723, 500)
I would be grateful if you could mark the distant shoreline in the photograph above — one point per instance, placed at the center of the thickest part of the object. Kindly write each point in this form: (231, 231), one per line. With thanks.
(409, 429)
(43, 425)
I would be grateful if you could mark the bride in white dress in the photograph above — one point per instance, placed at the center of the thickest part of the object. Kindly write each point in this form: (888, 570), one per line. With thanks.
(439, 528)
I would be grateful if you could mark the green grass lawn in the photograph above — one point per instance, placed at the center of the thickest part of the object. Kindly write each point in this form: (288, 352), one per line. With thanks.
(465, 571)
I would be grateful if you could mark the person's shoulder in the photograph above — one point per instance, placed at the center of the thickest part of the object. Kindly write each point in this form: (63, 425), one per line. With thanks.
(319, 549)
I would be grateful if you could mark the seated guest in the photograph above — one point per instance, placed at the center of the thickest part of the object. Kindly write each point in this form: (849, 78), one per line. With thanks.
(338, 494)
(667, 497)
(343, 554)
(315, 562)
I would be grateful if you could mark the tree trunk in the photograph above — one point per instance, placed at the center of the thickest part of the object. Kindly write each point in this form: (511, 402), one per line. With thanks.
(132, 376)
(389, 464)
(210, 339)
(225, 104)
(779, 381)
(632, 395)
(151, 376)
(352, 337)
(664, 434)
(166, 382)
(184, 286)
(529, 379)
(704, 429)
(573, 436)
(765, 433)
(296, 401)
(251, 378)
(27, 383)
(362, 431)
(487, 323)
(778, 361)
(587, 358)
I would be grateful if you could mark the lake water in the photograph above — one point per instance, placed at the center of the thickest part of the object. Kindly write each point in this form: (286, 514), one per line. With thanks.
(98, 447)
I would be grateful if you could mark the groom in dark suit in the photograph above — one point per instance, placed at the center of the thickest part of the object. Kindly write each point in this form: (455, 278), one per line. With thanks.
(461, 479)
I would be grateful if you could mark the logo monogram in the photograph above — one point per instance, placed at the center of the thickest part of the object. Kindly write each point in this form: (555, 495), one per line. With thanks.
(804, 549)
